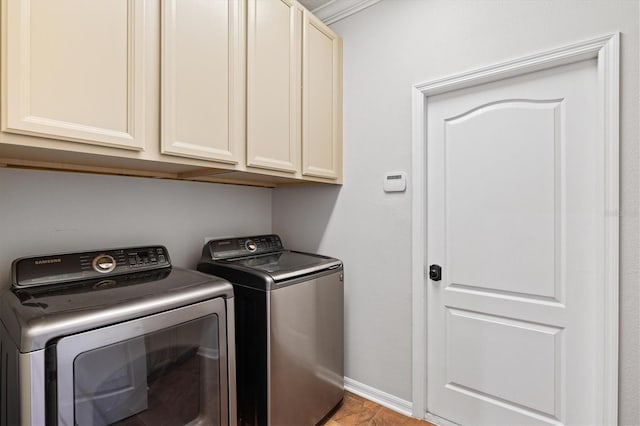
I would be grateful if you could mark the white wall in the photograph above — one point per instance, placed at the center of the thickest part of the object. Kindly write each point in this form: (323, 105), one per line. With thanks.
(44, 212)
(387, 48)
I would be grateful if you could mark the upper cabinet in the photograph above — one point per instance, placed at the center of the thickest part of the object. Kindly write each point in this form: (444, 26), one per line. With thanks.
(321, 100)
(233, 91)
(274, 84)
(75, 70)
(294, 91)
(202, 69)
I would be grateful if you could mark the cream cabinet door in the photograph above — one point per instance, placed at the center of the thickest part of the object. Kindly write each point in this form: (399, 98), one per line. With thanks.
(273, 84)
(321, 100)
(75, 70)
(203, 79)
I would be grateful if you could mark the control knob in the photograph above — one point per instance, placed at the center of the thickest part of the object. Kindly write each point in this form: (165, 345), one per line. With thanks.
(251, 246)
(104, 263)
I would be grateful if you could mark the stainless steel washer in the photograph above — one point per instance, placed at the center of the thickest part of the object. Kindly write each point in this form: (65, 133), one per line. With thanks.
(289, 328)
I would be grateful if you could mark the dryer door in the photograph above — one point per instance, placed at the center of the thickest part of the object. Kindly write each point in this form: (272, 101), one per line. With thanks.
(168, 368)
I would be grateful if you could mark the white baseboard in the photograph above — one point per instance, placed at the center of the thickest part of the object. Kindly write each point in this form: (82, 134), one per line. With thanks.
(391, 402)
(386, 400)
(438, 421)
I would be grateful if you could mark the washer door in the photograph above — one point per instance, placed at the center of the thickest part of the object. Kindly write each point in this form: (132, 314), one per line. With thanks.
(288, 264)
(168, 368)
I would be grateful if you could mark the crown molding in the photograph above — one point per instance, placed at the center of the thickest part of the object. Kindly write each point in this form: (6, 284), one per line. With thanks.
(335, 10)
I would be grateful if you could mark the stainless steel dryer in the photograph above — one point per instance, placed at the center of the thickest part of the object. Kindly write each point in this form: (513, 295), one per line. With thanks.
(289, 328)
(115, 337)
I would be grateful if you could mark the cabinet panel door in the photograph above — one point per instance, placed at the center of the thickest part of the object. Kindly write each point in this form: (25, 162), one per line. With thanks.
(273, 85)
(203, 79)
(75, 70)
(321, 100)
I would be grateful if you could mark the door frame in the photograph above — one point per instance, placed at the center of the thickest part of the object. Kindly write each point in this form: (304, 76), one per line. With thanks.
(606, 51)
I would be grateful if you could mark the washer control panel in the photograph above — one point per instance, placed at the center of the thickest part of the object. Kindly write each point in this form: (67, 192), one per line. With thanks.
(103, 263)
(228, 248)
(62, 268)
(251, 246)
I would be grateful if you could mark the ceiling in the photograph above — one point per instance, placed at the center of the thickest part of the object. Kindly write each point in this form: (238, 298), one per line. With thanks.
(330, 11)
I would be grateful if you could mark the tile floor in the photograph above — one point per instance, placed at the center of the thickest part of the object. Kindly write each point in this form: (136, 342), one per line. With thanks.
(356, 410)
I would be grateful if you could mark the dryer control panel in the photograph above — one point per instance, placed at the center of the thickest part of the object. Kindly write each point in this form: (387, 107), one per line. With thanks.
(63, 268)
(229, 248)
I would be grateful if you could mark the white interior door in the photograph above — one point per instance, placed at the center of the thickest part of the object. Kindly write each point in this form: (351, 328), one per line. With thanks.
(515, 210)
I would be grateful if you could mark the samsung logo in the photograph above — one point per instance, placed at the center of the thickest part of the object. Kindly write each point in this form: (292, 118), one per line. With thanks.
(46, 261)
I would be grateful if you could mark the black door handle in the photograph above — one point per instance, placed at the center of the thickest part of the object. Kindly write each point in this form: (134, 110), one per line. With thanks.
(435, 272)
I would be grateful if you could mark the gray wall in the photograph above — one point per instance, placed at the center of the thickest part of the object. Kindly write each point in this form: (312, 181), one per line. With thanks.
(45, 212)
(387, 48)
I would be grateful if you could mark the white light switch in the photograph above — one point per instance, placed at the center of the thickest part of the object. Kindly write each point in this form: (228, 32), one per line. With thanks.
(395, 182)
